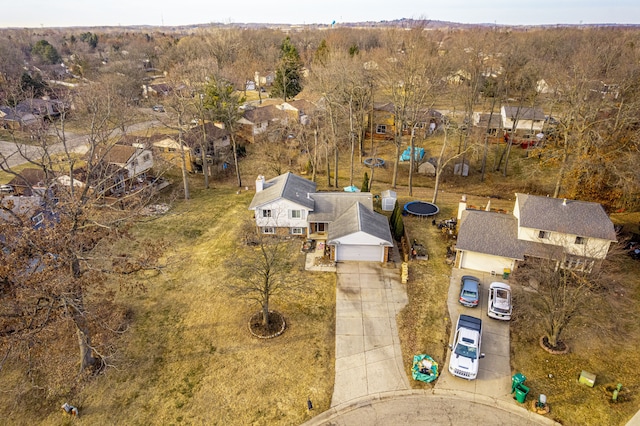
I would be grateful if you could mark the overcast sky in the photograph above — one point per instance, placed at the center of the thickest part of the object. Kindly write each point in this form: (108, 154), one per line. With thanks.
(65, 13)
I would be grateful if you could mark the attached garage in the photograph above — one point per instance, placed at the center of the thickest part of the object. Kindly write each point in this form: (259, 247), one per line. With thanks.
(360, 253)
(361, 235)
(484, 262)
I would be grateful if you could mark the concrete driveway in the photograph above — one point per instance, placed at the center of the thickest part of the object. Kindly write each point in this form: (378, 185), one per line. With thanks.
(494, 374)
(368, 356)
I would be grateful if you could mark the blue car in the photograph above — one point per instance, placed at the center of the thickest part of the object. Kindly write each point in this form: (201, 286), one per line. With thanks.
(469, 292)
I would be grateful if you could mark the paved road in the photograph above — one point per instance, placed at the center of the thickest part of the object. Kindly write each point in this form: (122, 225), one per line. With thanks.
(428, 408)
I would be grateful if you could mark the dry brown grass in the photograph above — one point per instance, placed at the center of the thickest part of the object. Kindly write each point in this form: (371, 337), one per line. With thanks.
(602, 339)
(189, 357)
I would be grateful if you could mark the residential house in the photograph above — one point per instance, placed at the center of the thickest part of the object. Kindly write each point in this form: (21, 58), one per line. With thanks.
(44, 108)
(12, 119)
(264, 79)
(299, 111)
(168, 148)
(217, 145)
(490, 124)
(522, 120)
(125, 164)
(156, 90)
(257, 120)
(383, 119)
(384, 123)
(576, 234)
(343, 222)
(30, 181)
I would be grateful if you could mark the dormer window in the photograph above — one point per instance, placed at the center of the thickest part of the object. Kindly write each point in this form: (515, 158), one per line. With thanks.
(544, 234)
(581, 240)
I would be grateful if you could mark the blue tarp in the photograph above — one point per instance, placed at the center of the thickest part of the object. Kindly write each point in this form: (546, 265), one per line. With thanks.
(424, 368)
(418, 153)
(351, 188)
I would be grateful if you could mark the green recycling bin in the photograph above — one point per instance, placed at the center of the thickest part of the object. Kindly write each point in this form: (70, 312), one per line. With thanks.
(521, 393)
(517, 379)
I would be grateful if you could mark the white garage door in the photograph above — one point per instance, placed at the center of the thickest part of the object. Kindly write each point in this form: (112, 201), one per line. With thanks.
(360, 253)
(485, 263)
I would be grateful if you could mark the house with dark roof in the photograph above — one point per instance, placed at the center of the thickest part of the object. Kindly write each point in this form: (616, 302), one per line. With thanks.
(522, 120)
(344, 221)
(299, 110)
(576, 234)
(257, 120)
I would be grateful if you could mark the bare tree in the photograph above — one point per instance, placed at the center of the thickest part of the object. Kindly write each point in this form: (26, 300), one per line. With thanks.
(263, 269)
(61, 255)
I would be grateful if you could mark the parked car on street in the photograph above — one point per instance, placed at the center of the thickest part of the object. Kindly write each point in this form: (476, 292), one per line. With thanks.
(499, 306)
(469, 291)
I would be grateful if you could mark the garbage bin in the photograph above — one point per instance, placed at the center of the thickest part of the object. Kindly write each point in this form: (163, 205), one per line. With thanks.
(505, 273)
(516, 380)
(521, 393)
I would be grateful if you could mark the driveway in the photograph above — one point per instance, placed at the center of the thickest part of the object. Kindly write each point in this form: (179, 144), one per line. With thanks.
(494, 374)
(368, 356)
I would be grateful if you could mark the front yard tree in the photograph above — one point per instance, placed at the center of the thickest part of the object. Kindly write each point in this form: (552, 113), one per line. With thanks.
(263, 270)
(224, 103)
(287, 83)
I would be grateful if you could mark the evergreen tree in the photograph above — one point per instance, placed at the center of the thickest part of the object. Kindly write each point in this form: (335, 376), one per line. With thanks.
(287, 83)
(46, 52)
(365, 183)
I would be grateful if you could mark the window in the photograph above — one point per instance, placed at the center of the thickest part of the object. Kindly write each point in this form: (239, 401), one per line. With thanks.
(320, 227)
(543, 234)
(268, 230)
(581, 240)
(381, 129)
(295, 214)
(297, 231)
(266, 213)
(38, 219)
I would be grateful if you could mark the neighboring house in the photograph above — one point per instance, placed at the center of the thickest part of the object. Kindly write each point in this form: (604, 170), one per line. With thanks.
(383, 118)
(522, 120)
(264, 80)
(167, 148)
(256, 121)
(12, 119)
(124, 163)
(156, 90)
(345, 222)
(576, 234)
(30, 181)
(488, 123)
(384, 121)
(299, 111)
(45, 108)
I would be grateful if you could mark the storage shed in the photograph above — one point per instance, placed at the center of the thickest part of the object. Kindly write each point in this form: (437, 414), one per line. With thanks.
(389, 198)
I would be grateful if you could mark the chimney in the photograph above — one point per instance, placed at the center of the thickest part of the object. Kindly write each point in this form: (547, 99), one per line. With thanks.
(462, 206)
(564, 202)
(259, 183)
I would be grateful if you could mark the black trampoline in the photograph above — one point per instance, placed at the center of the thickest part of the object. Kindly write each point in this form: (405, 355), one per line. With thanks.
(373, 162)
(421, 208)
